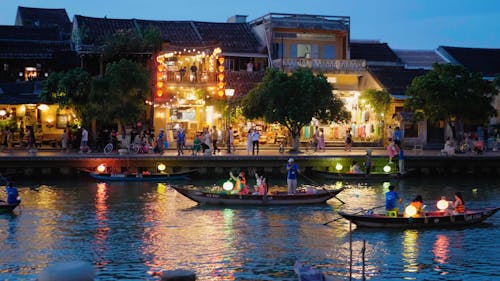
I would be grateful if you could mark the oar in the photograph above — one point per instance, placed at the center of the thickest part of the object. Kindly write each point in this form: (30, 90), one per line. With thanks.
(315, 183)
(364, 210)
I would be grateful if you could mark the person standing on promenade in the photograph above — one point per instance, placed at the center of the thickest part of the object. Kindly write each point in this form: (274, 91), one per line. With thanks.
(215, 136)
(321, 140)
(249, 141)
(368, 162)
(181, 141)
(397, 137)
(64, 141)
(255, 142)
(31, 138)
(291, 179)
(85, 139)
(348, 140)
(229, 139)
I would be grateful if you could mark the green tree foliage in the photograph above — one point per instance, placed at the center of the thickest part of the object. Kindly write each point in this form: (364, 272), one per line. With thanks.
(378, 100)
(293, 100)
(450, 92)
(122, 92)
(123, 43)
(70, 88)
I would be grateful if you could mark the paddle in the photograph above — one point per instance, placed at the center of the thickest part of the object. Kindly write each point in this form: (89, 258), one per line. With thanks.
(364, 210)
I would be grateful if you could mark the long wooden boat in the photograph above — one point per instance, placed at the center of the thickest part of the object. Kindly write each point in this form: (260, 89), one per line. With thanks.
(7, 208)
(435, 219)
(157, 177)
(221, 198)
(350, 176)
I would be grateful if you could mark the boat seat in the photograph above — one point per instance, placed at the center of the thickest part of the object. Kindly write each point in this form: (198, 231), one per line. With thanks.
(392, 214)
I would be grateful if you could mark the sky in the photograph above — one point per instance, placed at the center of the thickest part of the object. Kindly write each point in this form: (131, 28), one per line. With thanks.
(403, 24)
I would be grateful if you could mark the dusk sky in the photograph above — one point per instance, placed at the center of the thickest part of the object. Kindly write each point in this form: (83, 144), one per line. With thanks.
(403, 24)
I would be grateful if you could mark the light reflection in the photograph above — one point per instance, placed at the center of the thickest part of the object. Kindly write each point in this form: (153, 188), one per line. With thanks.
(441, 249)
(410, 250)
(101, 216)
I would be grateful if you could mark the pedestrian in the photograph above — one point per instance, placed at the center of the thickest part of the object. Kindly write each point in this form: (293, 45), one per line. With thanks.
(368, 162)
(249, 141)
(255, 142)
(181, 141)
(391, 151)
(321, 140)
(31, 138)
(64, 141)
(207, 141)
(291, 178)
(160, 142)
(401, 158)
(84, 143)
(348, 140)
(215, 137)
(397, 136)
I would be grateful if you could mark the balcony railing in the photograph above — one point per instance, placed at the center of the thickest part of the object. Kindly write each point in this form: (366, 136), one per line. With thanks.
(320, 65)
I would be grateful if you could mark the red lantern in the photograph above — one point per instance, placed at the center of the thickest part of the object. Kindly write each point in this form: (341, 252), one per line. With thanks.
(159, 93)
(221, 60)
(221, 68)
(159, 84)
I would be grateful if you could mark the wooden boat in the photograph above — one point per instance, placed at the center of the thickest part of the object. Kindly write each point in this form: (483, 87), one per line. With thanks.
(7, 208)
(156, 177)
(435, 219)
(222, 198)
(350, 176)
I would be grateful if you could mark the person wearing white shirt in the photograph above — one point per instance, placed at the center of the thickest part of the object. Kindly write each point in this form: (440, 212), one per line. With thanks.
(255, 142)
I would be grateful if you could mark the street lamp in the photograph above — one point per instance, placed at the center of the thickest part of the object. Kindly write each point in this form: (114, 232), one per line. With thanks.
(228, 93)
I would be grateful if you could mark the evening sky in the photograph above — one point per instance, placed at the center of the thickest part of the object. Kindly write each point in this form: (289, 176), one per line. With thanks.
(403, 24)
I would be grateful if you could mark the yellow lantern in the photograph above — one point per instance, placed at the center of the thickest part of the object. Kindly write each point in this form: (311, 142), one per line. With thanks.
(410, 211)
(159, 84)
(221, 77)
(442, 204)
(221, 68)
(338, 167)
(220, 93)
(160, 67)
(101, 168)
(221, 60)
(159, 93)
(387, 168)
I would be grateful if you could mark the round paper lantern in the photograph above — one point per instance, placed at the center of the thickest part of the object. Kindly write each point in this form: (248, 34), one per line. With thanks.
(410, 211)
(442, 204)
(228, 186)
(101, 168)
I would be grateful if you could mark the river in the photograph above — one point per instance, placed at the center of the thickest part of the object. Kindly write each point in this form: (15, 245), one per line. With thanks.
(128, 229)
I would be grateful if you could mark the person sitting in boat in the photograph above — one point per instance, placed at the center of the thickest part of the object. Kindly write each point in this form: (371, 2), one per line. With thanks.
(261, 184)
(459, 204)
(391, 200)
(12, 195)
(355, 168)
(418, 204)
(241, 182)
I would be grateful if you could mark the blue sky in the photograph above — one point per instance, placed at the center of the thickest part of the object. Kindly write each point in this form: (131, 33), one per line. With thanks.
(403, 24)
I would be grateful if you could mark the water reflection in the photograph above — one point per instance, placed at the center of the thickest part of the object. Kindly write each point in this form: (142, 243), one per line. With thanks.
(441, 251)
(102, 228)
(410, 250)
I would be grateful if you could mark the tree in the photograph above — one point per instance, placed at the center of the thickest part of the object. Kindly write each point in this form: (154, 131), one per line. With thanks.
(122, 92)
(450, 92)
(378, 100)
(293, 100)
(124, 43)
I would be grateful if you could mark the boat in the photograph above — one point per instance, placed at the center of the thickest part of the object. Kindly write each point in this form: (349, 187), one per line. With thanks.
(7, 208)
(352, 176)
(151, 177)
(434, 219)
(205, 196)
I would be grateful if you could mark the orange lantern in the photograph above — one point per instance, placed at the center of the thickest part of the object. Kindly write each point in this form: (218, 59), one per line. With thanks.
(101, 168)
(221, 60)
(159, 76)
(221, 77)
(221, 68)
(159, 93)
(221, 85)
(160, 67)
(220, 93)
(159, 84)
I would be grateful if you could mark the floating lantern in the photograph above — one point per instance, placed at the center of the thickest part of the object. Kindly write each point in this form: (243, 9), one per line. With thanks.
(228, 186)
(410, 211)
(101, 168)
(338, 167)
(387, 168)
(161, 167)
(442, 204)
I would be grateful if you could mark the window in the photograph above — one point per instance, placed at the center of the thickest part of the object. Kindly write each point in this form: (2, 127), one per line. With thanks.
(411, 130)
(277, 52)
(329, 52)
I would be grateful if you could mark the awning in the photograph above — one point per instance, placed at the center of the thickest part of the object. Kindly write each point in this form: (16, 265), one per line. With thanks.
(246, 55)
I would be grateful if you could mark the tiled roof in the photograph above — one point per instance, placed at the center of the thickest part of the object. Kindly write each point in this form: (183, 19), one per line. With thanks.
(486, 61)
(36, 17)
(13, 32)
(243, 81)
(20, 92)
(231, 37)
(373, 52)
(419, 58)
(395, 79)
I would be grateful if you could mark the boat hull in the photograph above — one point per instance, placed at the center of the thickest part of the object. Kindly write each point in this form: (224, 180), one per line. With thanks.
(134, 177)
(347, 176)
(7, 208)
(209, 198)
(429, 220)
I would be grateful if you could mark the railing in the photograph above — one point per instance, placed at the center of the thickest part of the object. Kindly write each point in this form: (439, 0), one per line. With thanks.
(321, 65)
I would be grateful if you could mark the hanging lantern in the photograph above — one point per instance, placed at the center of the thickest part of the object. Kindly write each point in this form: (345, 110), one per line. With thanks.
(221, 85)
(159, 93)
(220, 93)
(160, 67)
(221, 77)
(159, 84)
(221, 60)
(221, 68)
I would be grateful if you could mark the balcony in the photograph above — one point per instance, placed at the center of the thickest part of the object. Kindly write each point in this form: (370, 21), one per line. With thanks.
(179, 77)
(320, 65)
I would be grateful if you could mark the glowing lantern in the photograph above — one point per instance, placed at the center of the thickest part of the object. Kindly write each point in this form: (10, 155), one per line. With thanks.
(101, 168)
(410, 211)
(221, 60)
(221, 85)
(220, 93)
(221, 77)
(159, 93)
(159, 76)
(228, 186)
(442, 204)
(160, 67)
(161, 167)
(338, 167)
(221, 68)
(387, 168)
(159, 84)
